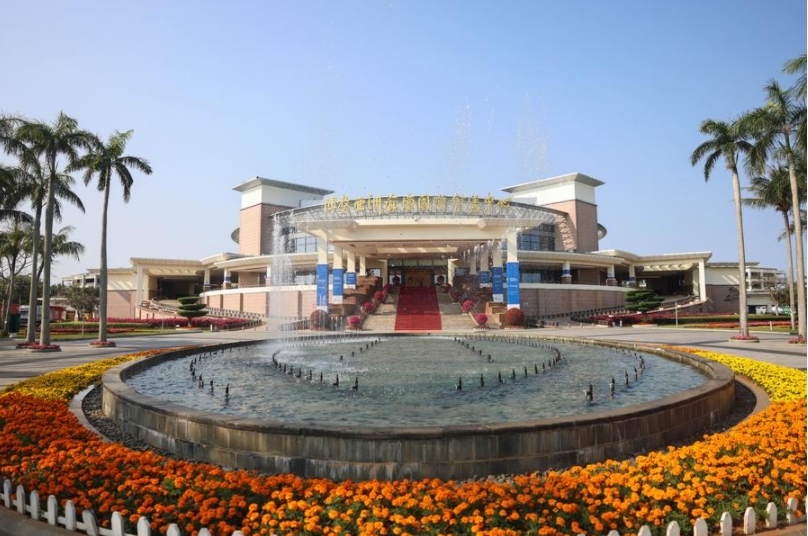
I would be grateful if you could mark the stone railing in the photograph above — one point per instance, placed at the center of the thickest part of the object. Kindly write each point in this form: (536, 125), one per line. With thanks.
(29, 505)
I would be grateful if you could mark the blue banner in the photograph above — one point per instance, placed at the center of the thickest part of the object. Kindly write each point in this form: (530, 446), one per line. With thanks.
(337, 298)
(512, 270)
(484, 278)
(350, 279)
(496, 280)
(322, 286)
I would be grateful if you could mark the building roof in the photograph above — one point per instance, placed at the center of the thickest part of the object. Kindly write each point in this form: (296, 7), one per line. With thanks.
(261, 181)
(570, 177)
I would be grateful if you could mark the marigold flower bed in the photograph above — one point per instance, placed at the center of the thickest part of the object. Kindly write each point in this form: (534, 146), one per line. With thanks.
(43, 447)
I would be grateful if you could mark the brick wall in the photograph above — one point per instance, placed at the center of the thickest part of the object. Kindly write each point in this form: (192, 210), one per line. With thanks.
(120, 304)
(255, 229)
(539, 302)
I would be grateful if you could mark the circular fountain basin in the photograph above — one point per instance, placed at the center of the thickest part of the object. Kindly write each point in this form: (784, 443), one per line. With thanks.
(407, 418)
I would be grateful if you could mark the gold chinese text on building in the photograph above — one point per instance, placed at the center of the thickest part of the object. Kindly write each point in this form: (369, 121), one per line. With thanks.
(378, 205)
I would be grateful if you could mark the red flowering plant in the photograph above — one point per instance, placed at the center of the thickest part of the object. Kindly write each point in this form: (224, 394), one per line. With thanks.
(368, 307)
(742, 337)
(482, 320)
(44, 347)
(379, 296)
(467, 306)
(354, 322)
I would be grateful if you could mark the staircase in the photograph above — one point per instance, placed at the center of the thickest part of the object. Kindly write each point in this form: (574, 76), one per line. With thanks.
(418, 310)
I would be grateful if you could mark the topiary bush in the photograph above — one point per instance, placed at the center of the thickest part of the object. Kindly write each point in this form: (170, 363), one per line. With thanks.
(467, 306)
(514, 318)
(189, 307)
(320, 320)
(482, 320)
(354, 322)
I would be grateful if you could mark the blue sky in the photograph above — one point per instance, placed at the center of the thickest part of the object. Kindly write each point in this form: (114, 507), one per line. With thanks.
(392, 96)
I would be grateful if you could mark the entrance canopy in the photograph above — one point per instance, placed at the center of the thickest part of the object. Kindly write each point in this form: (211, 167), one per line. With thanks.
(413, 227)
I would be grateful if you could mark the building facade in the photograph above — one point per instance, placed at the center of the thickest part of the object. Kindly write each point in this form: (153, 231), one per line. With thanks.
(302, 248)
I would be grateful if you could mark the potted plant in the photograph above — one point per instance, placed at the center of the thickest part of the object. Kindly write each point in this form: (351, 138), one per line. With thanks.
(354, 323)
(468, 305)
(482, 321)
(514, 318)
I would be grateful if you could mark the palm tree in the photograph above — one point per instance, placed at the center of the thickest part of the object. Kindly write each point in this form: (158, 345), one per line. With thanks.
(728, 141)
(774, 192)
(63, 247)
(776, 126)
(797, 66)
(51, 143)
(107, 162)
(14, 248)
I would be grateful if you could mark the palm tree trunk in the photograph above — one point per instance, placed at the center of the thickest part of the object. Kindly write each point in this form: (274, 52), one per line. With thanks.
(30, 331)
(102, 291)
(7, 305)
(795, 208)
(44, 332)
(792, 312)
(743, 310)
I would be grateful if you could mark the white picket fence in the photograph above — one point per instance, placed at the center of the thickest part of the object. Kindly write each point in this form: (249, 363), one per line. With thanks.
(88, 523)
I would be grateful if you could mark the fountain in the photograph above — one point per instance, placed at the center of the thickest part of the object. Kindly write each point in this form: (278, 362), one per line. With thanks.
(412, 407)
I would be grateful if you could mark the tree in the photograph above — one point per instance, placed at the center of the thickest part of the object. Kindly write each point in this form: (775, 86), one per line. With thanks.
(63, 247)
(776, 129)
(728, 141)
(51, 143)
(774, 192)
(14, 248)
(107, 162)
(190, 308)
(642, 300)
(82, 299)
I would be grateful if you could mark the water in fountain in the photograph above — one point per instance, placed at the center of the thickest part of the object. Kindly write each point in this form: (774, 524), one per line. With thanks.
(413, 381)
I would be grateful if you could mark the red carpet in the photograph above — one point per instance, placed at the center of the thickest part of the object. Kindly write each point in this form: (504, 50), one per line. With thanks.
(418, 309)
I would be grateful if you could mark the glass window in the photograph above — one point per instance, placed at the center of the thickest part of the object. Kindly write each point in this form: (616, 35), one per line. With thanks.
(541, 238)
(539, 274)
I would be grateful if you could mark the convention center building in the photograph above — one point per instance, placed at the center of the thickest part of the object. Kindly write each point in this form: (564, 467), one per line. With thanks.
(301, 248)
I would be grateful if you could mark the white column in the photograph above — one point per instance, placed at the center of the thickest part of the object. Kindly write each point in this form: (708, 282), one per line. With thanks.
(611, 280)
(321, 296)
(702, 281)
(472, 261)
(206, 280)
(384, 271)
(338, 276)
(139, 287)
(632, 276)
(485, 273)
(363, 266)
(350, 273)
(496, 273)
(450, 269)
(512, 297)
(268, 280)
